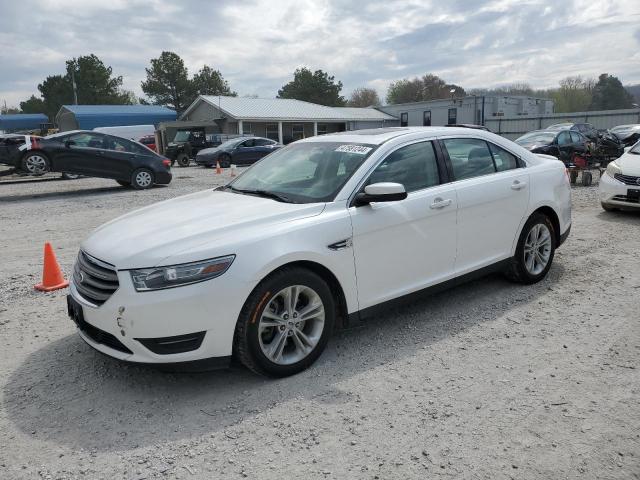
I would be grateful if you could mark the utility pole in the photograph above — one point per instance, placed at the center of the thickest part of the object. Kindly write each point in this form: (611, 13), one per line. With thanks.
(75, 90)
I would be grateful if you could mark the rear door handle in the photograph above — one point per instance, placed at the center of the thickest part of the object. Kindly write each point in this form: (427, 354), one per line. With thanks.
(518, 185)
(439, 203)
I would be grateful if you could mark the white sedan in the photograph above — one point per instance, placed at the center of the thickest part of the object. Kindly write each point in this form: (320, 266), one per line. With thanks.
(314, 237)
(619, 187)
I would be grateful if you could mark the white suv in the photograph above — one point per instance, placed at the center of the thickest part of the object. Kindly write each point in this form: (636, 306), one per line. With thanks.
(311, 238)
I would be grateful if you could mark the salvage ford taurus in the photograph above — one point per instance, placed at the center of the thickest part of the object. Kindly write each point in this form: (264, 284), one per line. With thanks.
(313, 237)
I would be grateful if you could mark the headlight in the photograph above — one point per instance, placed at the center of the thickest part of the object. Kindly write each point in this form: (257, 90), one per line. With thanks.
(158, 278)
(612, 169)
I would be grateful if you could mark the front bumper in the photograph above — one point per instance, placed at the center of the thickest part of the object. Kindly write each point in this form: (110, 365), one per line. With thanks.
(128, 320)
(615, 193)
(207, 160)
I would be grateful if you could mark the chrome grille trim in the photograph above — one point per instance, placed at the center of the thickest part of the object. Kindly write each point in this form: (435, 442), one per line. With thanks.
(94, 279)
(627, 179)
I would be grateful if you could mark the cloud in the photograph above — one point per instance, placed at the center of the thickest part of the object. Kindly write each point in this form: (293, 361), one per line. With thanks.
(258, 44)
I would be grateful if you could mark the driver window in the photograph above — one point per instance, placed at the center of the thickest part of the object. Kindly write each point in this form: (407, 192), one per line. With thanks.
(413, 166)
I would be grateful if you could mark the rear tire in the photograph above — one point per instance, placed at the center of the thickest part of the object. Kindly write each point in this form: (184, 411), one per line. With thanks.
(35, 163)
(587, 179)
(142, 179)
(573, 176)
(274, 338)
(534, 252)
(183, 160)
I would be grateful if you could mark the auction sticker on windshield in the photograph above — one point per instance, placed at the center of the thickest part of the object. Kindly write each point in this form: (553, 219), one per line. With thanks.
(359, 149)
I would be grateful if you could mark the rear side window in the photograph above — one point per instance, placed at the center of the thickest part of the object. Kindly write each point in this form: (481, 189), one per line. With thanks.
(259, 142)
(87, 140)
(470, 157)
(503, 159)
(413, 166)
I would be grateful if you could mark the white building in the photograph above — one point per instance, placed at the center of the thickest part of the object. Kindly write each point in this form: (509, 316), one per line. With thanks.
(280, 119)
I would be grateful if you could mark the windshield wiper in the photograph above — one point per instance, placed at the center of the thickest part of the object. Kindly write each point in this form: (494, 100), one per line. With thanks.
(263, 193)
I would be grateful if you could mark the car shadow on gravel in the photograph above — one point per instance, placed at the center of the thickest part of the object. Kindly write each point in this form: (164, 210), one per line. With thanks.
(630, 217)
(87, 192)
(67, 393)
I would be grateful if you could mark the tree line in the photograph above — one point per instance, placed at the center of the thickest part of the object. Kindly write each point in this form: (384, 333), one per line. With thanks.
(169, 83)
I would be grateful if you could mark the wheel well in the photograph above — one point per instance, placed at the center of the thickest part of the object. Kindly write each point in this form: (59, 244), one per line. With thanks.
(328, 276)
(551, 215)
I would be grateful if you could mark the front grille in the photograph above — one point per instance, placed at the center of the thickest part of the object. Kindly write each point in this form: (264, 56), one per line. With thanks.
(95, 280)
(624, 198)
(628, 179)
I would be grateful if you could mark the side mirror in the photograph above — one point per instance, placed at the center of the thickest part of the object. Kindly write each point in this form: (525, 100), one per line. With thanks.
(69, 143)
(381, 192)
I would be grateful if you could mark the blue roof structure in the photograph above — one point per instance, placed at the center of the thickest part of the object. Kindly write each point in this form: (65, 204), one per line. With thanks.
(22, 121)
(88, 117)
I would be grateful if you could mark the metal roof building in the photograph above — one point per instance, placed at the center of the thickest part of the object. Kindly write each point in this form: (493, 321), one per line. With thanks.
(281, 119)
(88, 117)
(22, 121)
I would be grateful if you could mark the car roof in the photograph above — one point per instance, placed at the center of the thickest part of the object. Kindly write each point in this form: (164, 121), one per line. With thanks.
(378, 136)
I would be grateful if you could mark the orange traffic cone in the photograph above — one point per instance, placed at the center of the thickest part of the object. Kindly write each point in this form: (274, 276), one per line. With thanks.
(52, 278)
(218, 169)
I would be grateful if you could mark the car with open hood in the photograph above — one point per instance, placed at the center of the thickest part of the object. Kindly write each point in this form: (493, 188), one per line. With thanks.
(316, 236)
(562, 144)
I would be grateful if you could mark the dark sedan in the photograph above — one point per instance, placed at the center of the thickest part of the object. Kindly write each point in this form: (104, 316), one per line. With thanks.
(585, 129)
(93, 154)
(561, 144)
(238, 151)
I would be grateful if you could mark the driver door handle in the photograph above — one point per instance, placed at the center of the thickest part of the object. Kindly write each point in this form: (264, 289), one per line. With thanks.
(439, 203)
(518, 185)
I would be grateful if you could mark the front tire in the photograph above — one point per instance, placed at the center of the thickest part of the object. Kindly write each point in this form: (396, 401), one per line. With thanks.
(35, 163)
(534, 252)
(285, 323)
(608, 208)
(142, 179)
(183, 160)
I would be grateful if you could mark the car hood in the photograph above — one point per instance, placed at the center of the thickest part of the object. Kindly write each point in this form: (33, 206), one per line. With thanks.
(189, 228)
(630, 164)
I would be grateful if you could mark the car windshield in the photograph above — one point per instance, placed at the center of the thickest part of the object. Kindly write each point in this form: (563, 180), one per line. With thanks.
(306, 172)
(560, 126)
(543, 137)
(233, 142)
(635, 149)
(182, 136)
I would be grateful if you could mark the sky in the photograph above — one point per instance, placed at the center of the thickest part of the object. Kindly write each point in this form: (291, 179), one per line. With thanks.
(257, 45)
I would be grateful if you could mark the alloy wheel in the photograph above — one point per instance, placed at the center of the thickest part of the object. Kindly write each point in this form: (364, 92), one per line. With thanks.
(291, 325)
(143, 179)
(36, 164)
(537, 249)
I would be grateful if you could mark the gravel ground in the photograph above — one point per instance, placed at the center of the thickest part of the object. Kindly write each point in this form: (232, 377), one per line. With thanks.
(489, 380)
